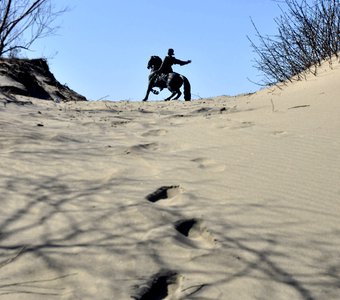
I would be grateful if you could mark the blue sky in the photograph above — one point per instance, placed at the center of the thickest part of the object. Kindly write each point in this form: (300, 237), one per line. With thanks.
(102, 47)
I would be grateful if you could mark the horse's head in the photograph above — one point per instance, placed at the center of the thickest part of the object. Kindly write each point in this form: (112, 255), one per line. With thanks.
(154, 62)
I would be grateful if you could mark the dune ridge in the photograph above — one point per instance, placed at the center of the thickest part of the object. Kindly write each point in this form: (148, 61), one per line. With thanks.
(220, 198)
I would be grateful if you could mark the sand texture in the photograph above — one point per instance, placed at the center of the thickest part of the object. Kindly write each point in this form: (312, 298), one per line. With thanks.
(222, 198)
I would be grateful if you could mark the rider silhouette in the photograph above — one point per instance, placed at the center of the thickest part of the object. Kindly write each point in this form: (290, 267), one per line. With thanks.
(166, 68)
(170, 60)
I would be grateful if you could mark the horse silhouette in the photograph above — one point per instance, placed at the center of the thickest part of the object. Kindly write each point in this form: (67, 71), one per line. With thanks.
(172, 81)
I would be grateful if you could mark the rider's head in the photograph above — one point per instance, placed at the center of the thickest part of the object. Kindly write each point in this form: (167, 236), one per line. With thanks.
(171, 52)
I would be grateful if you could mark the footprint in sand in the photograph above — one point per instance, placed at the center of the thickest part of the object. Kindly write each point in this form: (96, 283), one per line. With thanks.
(165, 285)
(140, 148)
(279, 133)
(155, 132)
(164, 193)
(243, 125)
(195, 232)
(209, 164)
(158, 287)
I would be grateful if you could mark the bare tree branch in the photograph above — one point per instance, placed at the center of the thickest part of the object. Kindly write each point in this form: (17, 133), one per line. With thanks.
(307, 35)
(22, 18)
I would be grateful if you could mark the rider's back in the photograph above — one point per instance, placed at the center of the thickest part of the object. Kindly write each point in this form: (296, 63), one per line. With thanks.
(166, 66)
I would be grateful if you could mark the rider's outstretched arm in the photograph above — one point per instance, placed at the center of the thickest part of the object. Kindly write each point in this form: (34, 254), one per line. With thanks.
(182, 62)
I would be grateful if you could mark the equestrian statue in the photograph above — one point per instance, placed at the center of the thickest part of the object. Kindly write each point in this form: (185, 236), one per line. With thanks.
(162, 76)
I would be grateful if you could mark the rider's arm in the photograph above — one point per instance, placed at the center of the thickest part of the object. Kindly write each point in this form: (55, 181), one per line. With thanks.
(181, 62)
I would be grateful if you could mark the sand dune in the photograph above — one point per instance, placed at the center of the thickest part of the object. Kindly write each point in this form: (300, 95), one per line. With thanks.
(221, 198)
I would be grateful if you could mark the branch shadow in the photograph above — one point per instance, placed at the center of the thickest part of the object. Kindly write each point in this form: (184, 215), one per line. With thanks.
(46, 222)
(304, 263)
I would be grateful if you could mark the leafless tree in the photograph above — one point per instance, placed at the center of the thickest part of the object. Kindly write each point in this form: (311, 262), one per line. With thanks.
(22, 22)
(307, 35)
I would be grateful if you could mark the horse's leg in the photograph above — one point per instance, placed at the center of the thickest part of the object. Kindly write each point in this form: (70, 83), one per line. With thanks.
(150, 86)
(169, 98)
(147, 95)
(179, 93)
(174, 83)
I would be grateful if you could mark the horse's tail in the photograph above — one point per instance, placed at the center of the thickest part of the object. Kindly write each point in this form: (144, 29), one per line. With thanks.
(187, 89)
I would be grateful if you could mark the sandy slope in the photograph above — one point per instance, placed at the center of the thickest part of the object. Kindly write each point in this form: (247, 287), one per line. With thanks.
(224, 198)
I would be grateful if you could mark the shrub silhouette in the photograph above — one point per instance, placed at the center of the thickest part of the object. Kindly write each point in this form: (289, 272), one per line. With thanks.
(307, 35)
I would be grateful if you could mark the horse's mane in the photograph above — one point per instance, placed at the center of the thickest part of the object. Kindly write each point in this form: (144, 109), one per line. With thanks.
(154, 60)
(156, 57)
